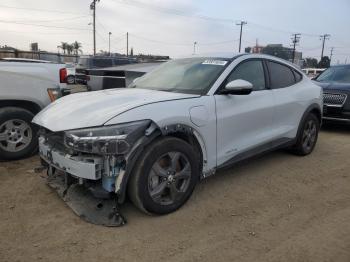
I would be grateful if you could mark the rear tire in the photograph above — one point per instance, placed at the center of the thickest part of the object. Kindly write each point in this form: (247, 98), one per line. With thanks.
(18, 136)
(70, 80)
(307, 136)
(164, 177)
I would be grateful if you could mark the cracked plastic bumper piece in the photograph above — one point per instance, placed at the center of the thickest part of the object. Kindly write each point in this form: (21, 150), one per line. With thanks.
(64, 172)
(81, 167)
(93, 210)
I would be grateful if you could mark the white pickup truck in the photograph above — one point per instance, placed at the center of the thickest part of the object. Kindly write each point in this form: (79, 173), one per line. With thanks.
(27, 86)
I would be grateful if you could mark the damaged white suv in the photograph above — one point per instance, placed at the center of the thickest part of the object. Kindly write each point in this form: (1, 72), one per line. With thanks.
(189, 117)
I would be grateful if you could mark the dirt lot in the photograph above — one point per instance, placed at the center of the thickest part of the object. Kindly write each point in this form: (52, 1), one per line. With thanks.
(276, 208)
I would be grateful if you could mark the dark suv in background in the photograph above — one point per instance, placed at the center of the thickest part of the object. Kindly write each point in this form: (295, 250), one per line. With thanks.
(93, 62)
(335, 82)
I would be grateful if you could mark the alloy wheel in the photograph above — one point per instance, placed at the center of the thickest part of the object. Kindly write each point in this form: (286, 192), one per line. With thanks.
(169, 178)
(15, 135)
(309, 135)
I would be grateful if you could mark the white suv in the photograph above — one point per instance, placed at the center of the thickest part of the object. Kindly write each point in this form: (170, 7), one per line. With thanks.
(178, 124)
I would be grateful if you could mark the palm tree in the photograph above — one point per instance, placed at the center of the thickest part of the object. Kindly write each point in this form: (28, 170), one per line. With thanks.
(77, 47)
(70, 49)
(64, 46)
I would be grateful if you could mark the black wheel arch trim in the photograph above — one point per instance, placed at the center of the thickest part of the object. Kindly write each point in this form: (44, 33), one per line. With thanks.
(311, 108)
(134, 155)
(23, 104)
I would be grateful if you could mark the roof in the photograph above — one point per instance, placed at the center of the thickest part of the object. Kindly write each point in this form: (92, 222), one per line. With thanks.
(226, 55)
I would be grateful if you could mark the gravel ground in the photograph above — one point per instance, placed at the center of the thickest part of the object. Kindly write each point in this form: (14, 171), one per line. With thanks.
(279, 207)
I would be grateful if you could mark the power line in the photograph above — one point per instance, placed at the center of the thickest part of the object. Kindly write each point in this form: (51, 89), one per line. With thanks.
(171, 11)
(203, 17)
(103, 27)
(51, 20)
(38, 10)
(41, 33)
(40, 25)
(268, 28)
(181, 44)
(160, 42)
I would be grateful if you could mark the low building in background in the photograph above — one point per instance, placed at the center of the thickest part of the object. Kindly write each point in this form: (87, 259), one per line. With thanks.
(277, 50)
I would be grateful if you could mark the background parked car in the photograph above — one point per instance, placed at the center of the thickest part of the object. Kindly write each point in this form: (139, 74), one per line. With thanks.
(26, 88)
(313, 72)
(117, 77)
(335, 82)
(93, 62)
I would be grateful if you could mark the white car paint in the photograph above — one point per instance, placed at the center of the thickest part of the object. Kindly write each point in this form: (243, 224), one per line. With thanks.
(226, 125)
(44, 72)
(97, 108)
(29, 81)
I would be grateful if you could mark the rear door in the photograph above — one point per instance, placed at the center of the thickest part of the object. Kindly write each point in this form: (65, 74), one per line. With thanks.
(288, 91)
(244, 121)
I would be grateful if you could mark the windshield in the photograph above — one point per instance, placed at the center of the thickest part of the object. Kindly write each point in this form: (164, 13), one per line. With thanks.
(190, 75)
(335, 74)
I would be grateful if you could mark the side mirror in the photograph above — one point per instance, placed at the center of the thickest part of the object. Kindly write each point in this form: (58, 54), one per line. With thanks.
(238, 87)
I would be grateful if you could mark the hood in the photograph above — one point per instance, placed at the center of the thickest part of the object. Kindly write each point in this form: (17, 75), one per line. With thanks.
(96, 108)
(334, 86)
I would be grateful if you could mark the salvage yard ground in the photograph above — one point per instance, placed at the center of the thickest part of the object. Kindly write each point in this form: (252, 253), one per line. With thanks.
(279, 207)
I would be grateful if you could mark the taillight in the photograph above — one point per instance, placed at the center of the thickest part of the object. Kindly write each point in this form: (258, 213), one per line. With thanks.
(63, 75)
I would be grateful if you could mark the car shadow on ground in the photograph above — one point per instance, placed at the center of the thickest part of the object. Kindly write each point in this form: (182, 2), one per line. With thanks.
(339, 128)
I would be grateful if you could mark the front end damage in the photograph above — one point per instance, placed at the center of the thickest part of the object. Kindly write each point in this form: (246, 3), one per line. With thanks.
(89, 168)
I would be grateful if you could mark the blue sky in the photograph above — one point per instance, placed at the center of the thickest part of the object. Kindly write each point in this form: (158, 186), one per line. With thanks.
(170, 27)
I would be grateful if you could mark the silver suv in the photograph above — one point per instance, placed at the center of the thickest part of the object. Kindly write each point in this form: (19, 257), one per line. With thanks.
(176, 125)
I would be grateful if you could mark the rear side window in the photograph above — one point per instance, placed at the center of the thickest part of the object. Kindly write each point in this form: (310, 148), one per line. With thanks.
(298, 76)
(280, 75)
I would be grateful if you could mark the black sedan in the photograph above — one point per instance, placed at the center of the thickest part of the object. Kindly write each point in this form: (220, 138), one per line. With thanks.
(335, 82)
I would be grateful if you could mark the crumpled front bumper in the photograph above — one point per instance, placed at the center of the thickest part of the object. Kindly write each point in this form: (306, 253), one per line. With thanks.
(80, 167)
(64, 172)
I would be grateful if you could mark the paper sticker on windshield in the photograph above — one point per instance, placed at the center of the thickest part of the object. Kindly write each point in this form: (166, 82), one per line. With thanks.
(214, 62)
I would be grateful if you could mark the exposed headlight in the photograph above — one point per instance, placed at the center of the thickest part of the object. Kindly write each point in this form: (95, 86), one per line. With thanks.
(106, 140)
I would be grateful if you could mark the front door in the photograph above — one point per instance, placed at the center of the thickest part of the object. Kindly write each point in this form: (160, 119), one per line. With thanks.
(244, 122)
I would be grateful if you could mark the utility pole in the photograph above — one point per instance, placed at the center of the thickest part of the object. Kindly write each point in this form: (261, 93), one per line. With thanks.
(324, 38)
(93, 8)
(109, 43)
(194, 47)
(295, 41)
(330, 58)
(127, 44)
(242, 23)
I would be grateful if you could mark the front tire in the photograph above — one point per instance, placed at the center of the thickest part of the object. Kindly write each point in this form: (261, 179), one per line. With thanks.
(165, 176)
(18, 136)
(307, 136)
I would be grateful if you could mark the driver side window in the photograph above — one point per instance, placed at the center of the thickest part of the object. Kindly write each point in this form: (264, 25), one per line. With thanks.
(251, 71)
